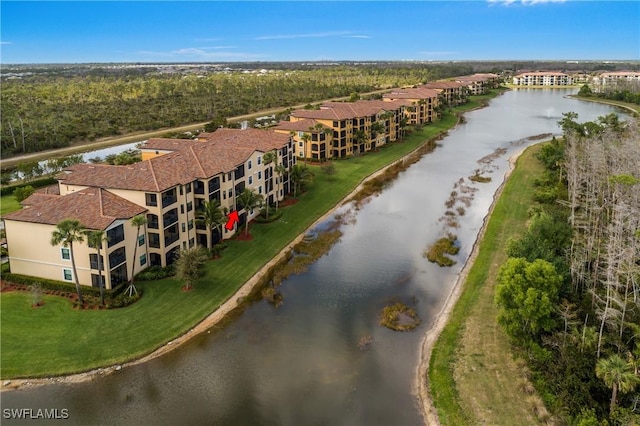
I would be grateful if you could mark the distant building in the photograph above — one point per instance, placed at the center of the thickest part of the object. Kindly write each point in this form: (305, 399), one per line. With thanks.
(542, 78)
(612, 79)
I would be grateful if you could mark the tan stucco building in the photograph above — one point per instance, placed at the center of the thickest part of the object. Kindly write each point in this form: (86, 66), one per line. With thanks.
(169, 187)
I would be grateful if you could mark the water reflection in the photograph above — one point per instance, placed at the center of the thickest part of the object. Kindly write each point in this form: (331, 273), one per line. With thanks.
(301, 363)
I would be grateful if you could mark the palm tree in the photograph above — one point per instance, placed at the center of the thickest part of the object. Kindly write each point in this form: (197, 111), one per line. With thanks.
(359, 138)
(617, 374)
(95, 239)
(300, 175)
(249, 201)
(189, 265)
(280, 170)
(306, 137)
(377, 128)
(269, 158)
(212, 217)
(67, 232)
(137, 221)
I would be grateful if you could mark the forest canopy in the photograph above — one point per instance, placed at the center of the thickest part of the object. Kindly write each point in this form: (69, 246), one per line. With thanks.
(46, 111)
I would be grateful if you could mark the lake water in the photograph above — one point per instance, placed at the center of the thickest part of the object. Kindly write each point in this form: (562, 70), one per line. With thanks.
(300, 363)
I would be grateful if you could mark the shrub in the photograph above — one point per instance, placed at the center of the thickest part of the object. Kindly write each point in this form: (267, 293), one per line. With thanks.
(155, 272)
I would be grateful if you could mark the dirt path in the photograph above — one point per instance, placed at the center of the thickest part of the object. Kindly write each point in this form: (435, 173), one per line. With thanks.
(429, 412)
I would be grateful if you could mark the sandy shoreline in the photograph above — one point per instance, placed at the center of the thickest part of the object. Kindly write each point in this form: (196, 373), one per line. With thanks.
(212, 319)
(429, 412)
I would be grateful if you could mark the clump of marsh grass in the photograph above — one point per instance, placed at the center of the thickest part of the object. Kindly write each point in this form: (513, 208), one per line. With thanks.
(439, 251)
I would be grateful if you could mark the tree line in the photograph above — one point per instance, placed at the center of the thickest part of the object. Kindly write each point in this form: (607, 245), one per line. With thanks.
(569, 294)
(52, 111)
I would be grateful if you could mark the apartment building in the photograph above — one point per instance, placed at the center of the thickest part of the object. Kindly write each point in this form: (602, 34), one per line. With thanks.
(343, 129)
(479, 84)
(616, 78)
(421, 103)
(450, 93)
(542, 78)
(169, 187)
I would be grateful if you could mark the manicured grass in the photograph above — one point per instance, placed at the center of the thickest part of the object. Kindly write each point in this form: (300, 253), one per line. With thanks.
(473, 378)
(55, 339)
(8, 204)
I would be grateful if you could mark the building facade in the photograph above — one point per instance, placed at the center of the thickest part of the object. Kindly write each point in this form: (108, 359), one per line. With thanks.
(169, 187)
(542, 78)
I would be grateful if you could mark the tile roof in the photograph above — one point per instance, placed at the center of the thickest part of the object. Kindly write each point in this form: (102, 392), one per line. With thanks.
(95, 208)
(168, 144)
(189, 160)
(443, 85)
(346, 110)
(299, 126)
(411, 93)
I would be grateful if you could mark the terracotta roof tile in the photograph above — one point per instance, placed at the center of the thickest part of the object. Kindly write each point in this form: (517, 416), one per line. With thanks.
(94, 208)
(222, 151)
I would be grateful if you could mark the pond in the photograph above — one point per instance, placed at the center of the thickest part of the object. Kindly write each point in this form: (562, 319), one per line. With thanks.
(301, 363)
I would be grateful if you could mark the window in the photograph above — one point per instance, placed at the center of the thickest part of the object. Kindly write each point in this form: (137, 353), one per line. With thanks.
(181, 208)
(260, 189)
(95, 262)
(171, 234)
(95, 280)
(184, 227)
(190, 206)
(190, 224)
(65, 253)
(141, 240)
(259, 175)
(250, 180)
(214, 184)
(115, 235)
(170, 217)
(117, 257)
(67, 274)
(169, 197)
(143, 259)
(198, 187)
(151, 199)
(188, 186)
(249, 164)
(192, 242)
(259, 160)
(154, 240)
(152, 221)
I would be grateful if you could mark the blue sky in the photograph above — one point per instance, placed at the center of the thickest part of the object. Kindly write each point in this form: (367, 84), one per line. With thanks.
(219, 31)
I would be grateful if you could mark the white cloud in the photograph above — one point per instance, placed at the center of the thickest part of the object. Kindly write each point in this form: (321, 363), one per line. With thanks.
(308, 35)
(201, 54)
(6, 42)
(359, 36)
(438, 53)
(524, 2)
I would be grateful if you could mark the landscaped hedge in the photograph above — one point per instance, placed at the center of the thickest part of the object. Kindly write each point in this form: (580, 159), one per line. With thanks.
(62, 286)
(38, 183)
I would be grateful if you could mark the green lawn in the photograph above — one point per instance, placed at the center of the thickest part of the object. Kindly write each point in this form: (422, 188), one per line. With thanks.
(55, 339)
(8, 204)
(473, 378)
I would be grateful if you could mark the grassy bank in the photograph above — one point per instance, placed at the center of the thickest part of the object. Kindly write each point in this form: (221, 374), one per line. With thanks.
(55, 340)
(473, 377)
